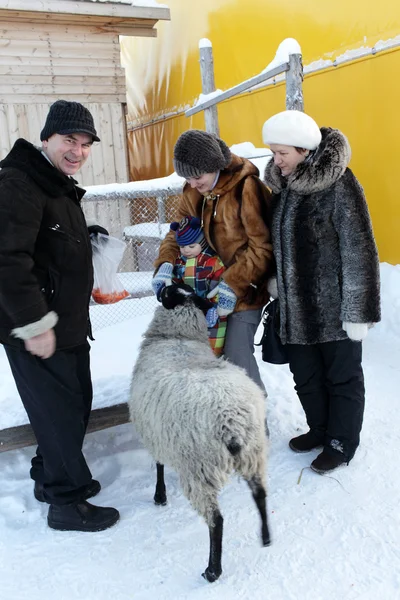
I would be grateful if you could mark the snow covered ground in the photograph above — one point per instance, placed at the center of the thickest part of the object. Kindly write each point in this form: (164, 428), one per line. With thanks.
(334, 537)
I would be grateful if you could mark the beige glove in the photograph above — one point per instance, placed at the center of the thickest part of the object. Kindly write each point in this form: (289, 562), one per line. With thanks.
(356, 331)
(43, 345)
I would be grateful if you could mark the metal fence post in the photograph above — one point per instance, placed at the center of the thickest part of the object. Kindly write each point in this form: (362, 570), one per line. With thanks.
(208, 85)
(294, 83)
(160, 212)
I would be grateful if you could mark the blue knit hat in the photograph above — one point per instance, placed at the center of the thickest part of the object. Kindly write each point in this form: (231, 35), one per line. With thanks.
(188, 231)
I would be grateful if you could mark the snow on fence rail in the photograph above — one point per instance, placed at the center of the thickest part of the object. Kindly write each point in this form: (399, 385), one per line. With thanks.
(288, 60)
(138, 213)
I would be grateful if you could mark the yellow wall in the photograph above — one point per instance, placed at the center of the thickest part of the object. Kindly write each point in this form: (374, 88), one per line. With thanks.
(360, 98)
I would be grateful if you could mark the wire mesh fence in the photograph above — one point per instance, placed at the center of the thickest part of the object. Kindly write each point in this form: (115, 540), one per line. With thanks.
(138, 213)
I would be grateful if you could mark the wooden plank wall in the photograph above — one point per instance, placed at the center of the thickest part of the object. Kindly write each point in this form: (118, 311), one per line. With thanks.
(41, 63)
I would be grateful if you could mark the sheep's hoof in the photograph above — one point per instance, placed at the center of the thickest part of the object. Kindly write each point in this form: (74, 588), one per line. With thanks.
(266, 540)
(160, 499)
(211, 576)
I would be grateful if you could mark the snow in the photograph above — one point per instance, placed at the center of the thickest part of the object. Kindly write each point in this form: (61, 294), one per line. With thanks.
(248, 150)
(258, 156)
(172, 182)
(204, 97)
(317, 65)
(352, 54)
(385, 44)
(285, 49)
(157, 231)
(333, 537)
(205, 43)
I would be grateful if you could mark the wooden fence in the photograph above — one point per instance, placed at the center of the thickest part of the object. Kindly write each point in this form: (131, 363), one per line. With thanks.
(294, 86)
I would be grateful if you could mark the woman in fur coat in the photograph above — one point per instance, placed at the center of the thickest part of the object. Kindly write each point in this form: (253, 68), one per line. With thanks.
(327, 279)
(224, 191)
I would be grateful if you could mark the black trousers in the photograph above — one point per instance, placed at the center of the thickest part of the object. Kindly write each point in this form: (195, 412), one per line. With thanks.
(330, 385)
(57, 396)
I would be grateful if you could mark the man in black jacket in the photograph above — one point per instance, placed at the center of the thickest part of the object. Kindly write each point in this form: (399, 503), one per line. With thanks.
(46, 279)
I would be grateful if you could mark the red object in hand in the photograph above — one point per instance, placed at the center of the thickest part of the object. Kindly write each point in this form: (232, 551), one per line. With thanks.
(108, 298)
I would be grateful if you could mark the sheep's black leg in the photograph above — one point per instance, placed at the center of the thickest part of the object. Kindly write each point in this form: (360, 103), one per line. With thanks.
(259, 495)
(160, 496)
(214, 568)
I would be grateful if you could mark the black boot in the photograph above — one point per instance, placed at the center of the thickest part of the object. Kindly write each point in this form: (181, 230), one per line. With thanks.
(81, 516)
(328, 461)
(92, 489)
(306, 442)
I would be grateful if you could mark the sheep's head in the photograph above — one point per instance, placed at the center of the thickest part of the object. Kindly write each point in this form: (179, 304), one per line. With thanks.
(181, 315)
(179, 294)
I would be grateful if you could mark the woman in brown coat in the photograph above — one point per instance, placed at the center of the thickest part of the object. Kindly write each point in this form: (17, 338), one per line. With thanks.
(224, 191)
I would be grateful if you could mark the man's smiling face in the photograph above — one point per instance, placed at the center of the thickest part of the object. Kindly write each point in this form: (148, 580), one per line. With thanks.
(69, 152)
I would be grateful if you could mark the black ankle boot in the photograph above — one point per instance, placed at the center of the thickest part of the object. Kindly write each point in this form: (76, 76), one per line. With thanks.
(305, 442)
(327, 462)
(92, 489)
(81, 516)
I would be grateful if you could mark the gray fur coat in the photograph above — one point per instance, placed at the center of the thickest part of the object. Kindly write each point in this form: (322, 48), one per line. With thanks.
(326, 257)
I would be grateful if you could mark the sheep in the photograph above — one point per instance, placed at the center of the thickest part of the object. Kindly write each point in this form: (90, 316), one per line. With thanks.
(198, 414)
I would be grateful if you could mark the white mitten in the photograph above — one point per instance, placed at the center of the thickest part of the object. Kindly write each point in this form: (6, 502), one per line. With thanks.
(356, 331)
(272, 287)
(162, 278)
(226, 298)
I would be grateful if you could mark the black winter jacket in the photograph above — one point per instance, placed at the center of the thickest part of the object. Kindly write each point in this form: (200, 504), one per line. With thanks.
(326, 257)
(45, 250)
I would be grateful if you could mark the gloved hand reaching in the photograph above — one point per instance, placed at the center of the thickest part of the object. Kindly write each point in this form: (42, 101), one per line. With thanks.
(162, 278)
(212, 316)
(95, 229)
(226, 298)
(356, 331)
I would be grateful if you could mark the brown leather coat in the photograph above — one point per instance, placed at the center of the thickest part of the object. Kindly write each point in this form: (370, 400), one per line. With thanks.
(234, 217)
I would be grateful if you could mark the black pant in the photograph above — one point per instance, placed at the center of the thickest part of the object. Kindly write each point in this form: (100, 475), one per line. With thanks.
(57, 395)
(330, 385)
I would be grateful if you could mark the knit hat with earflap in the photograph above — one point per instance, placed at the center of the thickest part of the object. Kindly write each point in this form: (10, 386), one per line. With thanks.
(197, 152)
(68, 117)
(292, 128)
(188, 231)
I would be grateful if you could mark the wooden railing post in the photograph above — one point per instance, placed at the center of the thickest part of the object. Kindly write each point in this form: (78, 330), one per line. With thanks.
(294, 83)
(208, 84)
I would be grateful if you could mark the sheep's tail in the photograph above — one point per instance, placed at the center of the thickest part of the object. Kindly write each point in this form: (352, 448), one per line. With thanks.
(248, 451)
(234, 446)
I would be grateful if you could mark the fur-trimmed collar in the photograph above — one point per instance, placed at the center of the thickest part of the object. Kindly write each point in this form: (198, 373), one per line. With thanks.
(25, 157)
(325, 166)
(237, 169)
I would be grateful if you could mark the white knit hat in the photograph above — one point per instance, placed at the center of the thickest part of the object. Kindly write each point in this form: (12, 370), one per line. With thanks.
(292, 128)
